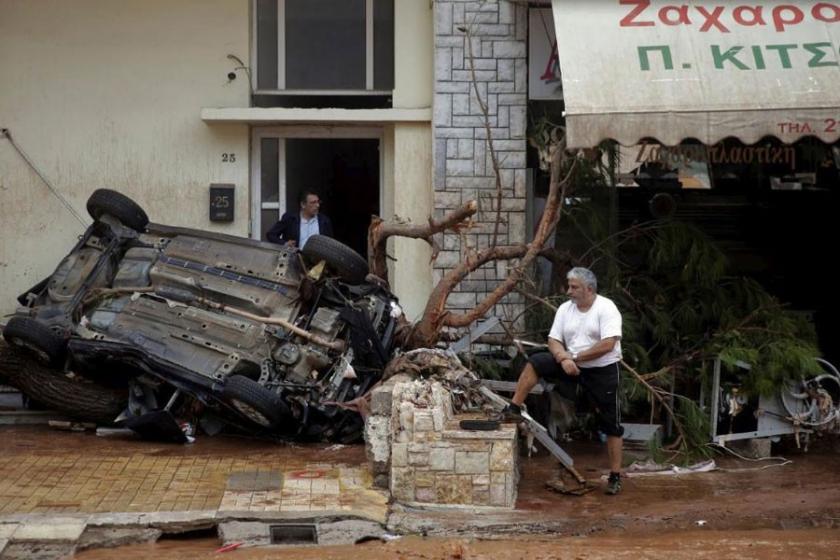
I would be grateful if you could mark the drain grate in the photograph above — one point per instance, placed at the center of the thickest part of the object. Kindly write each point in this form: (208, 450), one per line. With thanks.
(294, 533)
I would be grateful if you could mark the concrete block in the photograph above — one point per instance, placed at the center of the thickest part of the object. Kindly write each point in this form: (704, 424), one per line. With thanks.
(498, 496)
(443, 18)
(518, 122)
(511, 160)
(448, 259)
(483, 63)
(424, 479)
(399, 455)
(442, 459)
(521, 29)
(462, 300)
(452, 87)
(402, 484)
(378, 439)
(480, 76)
(481, 495)
(460, 104)
(509, 49)
(460, 167)
(452, 148)
(457, 58)
(443, 63)
(520, 80)
(472, 462)
(381, 400)
(502, 86)
(439, 418)
(453, 489)
(406, 416)
(519, 183)
(441, 131)
(346, 531)
(418, 459)
(458, 13)
(443, 109)
(425, 495)
(470, 182)
(423, 421)
(502, 456)
(484, 17)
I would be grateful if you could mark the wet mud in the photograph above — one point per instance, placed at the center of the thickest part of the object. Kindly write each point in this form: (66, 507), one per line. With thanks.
(688, 545)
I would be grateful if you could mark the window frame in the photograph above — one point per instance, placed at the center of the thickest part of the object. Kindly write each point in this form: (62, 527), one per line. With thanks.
(281, 58)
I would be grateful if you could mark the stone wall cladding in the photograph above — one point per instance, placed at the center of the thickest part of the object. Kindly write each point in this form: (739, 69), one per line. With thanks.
(435, 462)
(463, 168)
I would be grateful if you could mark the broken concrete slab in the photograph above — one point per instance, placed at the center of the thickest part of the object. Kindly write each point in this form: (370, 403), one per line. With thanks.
(55, 530)
(347, 531)
(246, 533)
(327, 532)
(7, 529)
(111, 537)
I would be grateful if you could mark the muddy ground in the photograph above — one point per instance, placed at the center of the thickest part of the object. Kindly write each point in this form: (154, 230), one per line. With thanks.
(682, 545)
(745, 509)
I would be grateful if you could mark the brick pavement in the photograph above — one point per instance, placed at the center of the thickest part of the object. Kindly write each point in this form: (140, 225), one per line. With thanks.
(48, 472)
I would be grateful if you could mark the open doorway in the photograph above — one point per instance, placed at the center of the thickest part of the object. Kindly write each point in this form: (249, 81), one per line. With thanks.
(343, 170)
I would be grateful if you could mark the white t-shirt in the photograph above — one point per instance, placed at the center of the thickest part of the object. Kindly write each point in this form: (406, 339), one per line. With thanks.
(579, 331)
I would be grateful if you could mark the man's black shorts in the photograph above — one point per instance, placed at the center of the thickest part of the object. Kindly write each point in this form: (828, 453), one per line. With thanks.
(600, 384)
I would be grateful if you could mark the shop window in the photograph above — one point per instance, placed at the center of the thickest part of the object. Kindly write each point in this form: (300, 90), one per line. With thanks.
(323, 48)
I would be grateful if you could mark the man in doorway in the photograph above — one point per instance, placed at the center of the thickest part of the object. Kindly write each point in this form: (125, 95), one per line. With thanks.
(584, 350)
(295, 228)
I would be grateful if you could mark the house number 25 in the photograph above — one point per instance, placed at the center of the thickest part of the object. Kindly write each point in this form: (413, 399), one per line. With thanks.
(228, 158)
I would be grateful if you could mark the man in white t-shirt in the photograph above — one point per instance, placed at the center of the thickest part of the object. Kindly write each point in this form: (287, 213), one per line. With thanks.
(584, 350)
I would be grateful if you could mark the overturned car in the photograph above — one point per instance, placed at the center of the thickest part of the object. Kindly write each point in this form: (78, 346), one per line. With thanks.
(204, 326)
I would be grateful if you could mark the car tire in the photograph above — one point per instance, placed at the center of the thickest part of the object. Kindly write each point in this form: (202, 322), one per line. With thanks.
(72, 396)
(347, 263)
(254, 402)
(37, 339)
(113, 203)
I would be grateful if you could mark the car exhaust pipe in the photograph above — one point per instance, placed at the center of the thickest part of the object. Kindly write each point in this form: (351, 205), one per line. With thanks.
(337, 345)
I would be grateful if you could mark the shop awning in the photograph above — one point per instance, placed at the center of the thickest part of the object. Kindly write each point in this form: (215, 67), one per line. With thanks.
(635, 69)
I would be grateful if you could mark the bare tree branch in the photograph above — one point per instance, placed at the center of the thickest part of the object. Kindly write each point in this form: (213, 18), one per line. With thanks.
(435, 315)
(380, 231)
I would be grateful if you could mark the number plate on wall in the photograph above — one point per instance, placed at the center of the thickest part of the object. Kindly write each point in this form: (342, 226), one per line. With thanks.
(221, 203)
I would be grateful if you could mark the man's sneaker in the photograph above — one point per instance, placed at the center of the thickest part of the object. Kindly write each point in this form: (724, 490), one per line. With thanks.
(512, 413)
(613, 484)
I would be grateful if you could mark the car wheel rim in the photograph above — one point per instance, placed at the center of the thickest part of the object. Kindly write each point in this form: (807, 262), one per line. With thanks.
(251, 413)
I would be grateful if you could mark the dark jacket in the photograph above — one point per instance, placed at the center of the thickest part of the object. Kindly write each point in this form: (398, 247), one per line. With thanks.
(288, 228)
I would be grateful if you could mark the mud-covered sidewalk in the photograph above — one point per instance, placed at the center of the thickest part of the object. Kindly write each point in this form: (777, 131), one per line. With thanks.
(67, 485)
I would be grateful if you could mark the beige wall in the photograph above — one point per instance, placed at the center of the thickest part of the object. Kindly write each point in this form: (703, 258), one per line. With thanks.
(108, 94)
(413, 54)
